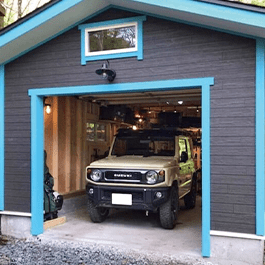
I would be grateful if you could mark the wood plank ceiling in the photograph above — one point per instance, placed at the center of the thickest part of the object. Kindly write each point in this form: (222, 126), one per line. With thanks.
(168, 100)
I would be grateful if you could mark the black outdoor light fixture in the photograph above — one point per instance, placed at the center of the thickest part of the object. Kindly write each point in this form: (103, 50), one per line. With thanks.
(106, 72)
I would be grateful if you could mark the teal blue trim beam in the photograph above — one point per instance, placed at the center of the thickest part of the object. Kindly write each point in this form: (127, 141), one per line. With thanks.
(2, 136)
(125, 54)
(260, 134)
(37, 164)
(206, 9)
(37, 138)
(206, 172)
(37, 20)
(171, 84)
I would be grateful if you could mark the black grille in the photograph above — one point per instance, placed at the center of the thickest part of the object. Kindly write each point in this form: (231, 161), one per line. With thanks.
(123, 176)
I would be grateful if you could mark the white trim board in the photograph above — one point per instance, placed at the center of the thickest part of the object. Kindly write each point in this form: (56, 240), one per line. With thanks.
(15, 213)
(236, 235)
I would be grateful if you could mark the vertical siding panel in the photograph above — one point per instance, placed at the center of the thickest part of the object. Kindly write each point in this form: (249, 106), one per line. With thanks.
(73, 144)
(61, 144)
(55, 151)
(48, 132)
(84, 147)
(67, 164)
(79, 141)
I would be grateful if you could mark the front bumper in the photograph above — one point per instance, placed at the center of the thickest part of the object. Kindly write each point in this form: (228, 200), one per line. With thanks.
(142, 198)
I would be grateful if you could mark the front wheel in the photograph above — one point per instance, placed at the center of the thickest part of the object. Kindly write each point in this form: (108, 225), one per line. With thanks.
(97, 214)
(168, 212)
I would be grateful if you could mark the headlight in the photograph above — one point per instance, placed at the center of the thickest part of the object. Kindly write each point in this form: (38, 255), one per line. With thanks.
(151, 177)
(96, 175)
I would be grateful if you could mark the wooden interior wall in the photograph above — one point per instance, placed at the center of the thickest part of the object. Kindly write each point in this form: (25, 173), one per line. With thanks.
(65, 136)
(68, 151)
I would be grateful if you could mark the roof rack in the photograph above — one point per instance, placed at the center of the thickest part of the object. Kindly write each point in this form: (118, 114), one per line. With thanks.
(157, 132)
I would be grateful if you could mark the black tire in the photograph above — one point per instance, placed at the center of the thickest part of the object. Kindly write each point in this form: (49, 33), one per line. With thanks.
(97, 214)
(190, 198)
(168, 212)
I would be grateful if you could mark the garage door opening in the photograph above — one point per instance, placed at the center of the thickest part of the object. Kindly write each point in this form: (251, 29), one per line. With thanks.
(81, 130)
(148, 105)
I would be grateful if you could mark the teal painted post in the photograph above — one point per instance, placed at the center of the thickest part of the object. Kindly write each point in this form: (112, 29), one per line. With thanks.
(260, 134)
(206, 173)
(37, 162)
(2, 136)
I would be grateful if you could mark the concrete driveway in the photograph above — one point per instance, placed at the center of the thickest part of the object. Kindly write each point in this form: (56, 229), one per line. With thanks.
(131, 230)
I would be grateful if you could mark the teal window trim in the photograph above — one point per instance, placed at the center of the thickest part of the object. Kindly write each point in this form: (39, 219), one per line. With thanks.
(139, 53)
(37, 138)
(260, 134)
(2, 136)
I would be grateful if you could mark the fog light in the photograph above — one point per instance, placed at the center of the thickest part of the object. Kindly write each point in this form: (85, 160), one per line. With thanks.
(91, 191)
(159, 195)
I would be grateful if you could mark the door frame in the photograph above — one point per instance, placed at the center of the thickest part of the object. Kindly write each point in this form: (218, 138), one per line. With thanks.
(37, 138)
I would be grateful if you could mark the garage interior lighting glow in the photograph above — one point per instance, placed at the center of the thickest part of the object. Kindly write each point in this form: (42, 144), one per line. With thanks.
(48, 108)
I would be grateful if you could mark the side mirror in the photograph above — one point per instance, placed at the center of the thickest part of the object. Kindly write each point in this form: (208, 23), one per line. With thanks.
(184, 157)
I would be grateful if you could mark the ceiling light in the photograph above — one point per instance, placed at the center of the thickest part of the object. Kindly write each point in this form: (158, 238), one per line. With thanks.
(48, 108)
(180, 102)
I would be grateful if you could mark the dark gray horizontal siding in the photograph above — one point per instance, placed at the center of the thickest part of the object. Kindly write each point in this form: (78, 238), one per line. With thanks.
(235, 227)
(223, 141)
(18, 206)
(233, 189)
(228, 150)
(237, 112)
(239, 170)
(171, 51)
(232, 179)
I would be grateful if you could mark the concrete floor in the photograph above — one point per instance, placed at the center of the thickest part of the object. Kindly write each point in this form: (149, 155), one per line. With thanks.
(132, 230)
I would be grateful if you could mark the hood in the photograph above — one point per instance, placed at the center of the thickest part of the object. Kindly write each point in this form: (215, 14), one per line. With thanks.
(151, 162)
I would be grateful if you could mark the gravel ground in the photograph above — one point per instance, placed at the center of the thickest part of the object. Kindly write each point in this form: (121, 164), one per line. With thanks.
(35, 251)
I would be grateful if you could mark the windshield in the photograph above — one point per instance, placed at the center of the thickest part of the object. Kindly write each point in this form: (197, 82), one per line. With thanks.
(151, 146)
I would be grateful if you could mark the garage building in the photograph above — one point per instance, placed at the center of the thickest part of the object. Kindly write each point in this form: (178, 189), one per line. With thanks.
(182, 50)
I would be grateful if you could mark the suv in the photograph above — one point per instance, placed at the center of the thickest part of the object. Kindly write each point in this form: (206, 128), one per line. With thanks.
(145, 170)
